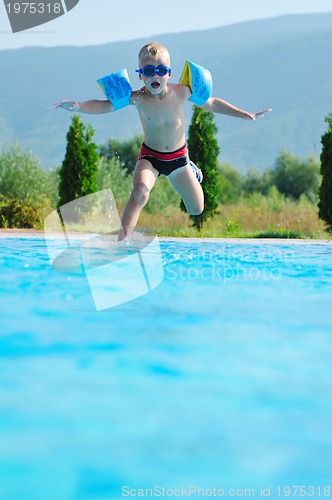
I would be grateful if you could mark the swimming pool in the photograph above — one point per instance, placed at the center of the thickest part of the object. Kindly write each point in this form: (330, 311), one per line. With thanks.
(221, 377)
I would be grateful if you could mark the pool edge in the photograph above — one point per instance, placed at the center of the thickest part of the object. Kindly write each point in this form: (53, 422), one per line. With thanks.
(24, 233)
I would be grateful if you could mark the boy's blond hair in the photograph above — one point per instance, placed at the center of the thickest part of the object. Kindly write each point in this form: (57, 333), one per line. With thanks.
(152, 49)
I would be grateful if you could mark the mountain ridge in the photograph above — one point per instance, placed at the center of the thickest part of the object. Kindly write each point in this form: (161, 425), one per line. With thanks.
(278, 62)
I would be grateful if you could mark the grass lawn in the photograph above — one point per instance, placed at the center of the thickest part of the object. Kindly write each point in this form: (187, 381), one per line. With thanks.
(246, 219)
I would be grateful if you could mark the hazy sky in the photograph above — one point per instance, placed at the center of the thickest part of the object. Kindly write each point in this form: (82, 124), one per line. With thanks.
(103, 21)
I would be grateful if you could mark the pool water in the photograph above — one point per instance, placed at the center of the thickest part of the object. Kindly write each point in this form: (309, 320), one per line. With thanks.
(221, 377)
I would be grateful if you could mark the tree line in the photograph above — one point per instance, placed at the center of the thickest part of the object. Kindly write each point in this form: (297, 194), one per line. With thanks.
(27, 191)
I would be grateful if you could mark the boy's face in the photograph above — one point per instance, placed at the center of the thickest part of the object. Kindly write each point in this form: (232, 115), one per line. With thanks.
(155, 84)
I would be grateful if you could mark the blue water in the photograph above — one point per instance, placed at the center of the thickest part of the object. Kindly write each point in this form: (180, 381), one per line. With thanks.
(220, 377)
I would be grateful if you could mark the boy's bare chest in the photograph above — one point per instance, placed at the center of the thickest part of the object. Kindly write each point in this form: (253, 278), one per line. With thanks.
(163, 115)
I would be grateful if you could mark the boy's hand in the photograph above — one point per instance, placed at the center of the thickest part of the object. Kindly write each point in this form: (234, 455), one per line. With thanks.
(68, 105)
(260, 114)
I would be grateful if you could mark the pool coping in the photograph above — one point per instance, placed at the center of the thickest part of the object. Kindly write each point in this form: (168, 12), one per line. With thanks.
(24, 233)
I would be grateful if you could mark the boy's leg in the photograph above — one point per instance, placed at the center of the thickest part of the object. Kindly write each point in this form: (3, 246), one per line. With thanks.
(186, 184)
(145, 176)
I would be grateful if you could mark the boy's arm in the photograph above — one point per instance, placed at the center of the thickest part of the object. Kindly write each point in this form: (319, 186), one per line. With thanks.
(94, 106)
(216, 105)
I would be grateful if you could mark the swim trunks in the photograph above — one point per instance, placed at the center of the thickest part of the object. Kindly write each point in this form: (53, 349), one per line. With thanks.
(165, 163)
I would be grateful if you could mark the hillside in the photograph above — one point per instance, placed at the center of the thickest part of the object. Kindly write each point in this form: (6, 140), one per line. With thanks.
(281, 63)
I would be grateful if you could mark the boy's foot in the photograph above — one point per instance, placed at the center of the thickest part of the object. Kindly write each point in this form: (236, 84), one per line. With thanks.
(198, 172)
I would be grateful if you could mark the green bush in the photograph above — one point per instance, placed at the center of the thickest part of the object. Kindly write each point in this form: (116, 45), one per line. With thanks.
(273, 200)
(78, 172)
(124, 153)
(27, 191)
(162, 196)
(291, 175)
(276, 201)
(204, 150)
(256, 182)
(15, 214)
(230, 185)
(22, 178)
(325, 190)
(294, 176)
(112, 175)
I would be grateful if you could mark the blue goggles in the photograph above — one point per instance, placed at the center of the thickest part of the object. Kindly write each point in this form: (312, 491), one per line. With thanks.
(149, 70)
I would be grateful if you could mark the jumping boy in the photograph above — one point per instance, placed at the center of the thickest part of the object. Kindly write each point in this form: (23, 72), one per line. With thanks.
(160, 105)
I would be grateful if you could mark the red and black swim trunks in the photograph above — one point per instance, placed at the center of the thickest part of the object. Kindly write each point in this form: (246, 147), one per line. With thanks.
(165, 163)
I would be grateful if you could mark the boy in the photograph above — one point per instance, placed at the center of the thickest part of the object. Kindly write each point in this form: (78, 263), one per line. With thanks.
(160, 105)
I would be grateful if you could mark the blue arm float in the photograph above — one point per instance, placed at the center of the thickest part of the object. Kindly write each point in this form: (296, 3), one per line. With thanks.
(117, 88)
(199, 80)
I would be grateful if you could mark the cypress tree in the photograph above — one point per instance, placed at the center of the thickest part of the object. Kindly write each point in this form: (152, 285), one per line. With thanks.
(204, 150)
(325, 190)
(78, 173)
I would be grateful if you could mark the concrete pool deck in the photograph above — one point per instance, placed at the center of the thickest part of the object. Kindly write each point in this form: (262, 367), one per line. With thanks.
(26, 233)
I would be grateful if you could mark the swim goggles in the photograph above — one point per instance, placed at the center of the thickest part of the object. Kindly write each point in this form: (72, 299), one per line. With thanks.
(149, 70)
